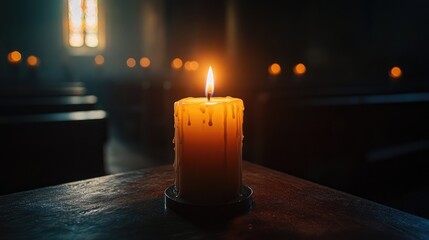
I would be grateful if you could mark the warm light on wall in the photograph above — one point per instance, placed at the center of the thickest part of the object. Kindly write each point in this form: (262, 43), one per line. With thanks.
(32, 61)
(83, 23)
(395, 72)
(144, 62)
(274, 69)
(177, 63)
(14, 57)
(131, 62)
(99, 60)
(299, 69)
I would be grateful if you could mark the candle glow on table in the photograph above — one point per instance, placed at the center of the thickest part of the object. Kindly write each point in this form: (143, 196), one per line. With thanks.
(208, 147)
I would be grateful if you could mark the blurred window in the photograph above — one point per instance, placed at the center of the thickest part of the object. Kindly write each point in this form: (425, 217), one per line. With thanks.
(83, 23)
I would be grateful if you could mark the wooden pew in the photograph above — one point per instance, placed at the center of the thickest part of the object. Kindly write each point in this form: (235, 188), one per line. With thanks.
(141, 113)
(46, 104)
(46, 149)
(37, 90)
(375, 146)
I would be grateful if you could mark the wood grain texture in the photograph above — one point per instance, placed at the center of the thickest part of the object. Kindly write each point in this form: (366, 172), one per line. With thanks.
(131, 206)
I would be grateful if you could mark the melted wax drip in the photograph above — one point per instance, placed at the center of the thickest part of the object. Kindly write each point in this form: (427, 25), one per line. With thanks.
(189, 119)
(210, 117)
(203, 110)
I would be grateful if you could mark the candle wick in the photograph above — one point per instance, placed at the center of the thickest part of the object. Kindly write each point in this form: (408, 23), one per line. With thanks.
(208, 97)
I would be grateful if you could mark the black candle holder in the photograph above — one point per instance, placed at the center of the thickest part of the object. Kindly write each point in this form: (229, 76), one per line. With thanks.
(240, 205)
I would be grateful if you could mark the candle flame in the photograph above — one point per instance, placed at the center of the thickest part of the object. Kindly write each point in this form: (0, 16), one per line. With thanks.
(209, 84)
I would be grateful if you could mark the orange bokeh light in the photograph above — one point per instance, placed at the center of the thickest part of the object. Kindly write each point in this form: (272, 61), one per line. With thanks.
(188, 65)
(99, 60)
(14, 57)
(32, 61)
(191, 65)
(274, 69)
(299, 69)
(131, 62)
(177, 63)
(194, 65)
(144, 62)
(395, 72)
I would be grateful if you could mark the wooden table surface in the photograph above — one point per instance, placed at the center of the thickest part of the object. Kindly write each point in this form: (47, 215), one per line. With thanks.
(131, 206)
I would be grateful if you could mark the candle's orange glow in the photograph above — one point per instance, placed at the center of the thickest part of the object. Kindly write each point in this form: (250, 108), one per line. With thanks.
(99, 60)
(188, 65)
(274, 69)
(14, 57)
(131, 62)
(395, 72)
(32, 61)
(191, 65)
(194, 65)
(299, 69)
(210, 83)
(144, 62)
(177, 63)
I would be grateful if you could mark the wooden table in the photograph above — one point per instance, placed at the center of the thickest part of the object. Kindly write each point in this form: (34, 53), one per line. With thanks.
(131, 206)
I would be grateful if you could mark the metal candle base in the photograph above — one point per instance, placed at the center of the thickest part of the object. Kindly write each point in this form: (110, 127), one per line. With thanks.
(237, 206)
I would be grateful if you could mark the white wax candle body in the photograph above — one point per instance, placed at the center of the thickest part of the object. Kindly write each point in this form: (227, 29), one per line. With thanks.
(208, 149)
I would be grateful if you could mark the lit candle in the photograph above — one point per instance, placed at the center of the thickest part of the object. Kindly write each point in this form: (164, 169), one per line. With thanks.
(208, 147)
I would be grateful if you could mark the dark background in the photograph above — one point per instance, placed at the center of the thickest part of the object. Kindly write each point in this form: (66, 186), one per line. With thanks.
(345, 123)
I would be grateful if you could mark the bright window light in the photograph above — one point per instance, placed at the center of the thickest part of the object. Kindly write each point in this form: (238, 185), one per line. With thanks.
(83, 23)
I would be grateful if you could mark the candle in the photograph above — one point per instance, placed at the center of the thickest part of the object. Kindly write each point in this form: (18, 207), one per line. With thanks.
(208, 147)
